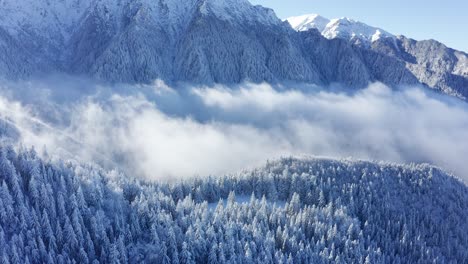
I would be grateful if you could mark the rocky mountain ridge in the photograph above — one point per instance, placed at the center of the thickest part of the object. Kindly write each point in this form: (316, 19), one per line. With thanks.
(207, 41)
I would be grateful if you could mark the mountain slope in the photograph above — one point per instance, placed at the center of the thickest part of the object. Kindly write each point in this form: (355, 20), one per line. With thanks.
(144, 40)
(430, 62)
(209, 41)
(433, 63)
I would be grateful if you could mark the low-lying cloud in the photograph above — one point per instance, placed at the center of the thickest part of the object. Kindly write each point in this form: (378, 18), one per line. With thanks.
(158, 132)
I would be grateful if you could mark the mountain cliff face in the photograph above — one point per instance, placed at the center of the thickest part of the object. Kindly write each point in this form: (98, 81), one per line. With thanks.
(396, 59)
(208, 41)
(139, 41)
(431, 62)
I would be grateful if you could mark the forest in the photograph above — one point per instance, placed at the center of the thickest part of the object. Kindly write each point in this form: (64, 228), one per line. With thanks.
(299, 211)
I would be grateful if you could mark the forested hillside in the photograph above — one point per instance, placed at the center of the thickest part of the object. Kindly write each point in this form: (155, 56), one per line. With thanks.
(210, 42)
(335, 212)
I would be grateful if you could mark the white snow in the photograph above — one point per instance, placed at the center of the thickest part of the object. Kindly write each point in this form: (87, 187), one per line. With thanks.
(244, 200)
(306, 22)
(241, 10)
(54, 19)
(344, 28)
(461, 68)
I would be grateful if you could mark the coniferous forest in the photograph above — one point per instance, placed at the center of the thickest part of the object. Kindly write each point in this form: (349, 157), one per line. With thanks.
(289, 211)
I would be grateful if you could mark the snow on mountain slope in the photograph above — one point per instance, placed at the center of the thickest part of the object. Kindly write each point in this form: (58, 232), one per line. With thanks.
(352, 30)
(199, 41)
(390, 58)
(306, 22)
(210, 41)
(57, 19)
(461, 67)
(239, 11)
(344, 28)
(141, 40)
(46, 18)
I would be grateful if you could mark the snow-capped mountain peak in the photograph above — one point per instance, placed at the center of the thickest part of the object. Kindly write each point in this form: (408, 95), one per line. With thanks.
(306, 22)
(344, 28)
(350, 29)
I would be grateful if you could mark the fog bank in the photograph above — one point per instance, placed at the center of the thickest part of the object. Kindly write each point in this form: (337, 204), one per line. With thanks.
(159, 132)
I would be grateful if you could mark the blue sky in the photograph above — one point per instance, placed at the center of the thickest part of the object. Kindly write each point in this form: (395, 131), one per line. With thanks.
(443, 20)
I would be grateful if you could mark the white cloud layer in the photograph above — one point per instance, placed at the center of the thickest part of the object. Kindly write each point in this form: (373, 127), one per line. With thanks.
(158, 133)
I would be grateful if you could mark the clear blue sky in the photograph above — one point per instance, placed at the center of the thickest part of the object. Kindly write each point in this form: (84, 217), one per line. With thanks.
(443, 20)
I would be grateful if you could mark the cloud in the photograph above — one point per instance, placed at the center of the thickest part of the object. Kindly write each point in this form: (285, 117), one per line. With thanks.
(159, 132)
(406, 125)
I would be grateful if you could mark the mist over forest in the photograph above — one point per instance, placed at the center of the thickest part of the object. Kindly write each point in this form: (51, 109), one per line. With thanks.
(149, 130)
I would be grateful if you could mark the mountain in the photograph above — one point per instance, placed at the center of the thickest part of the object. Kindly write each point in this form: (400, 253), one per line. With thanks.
(299, 211)
(306, 22)
(210, 41)
(430, 62)
(344, 28)
(139, 41)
